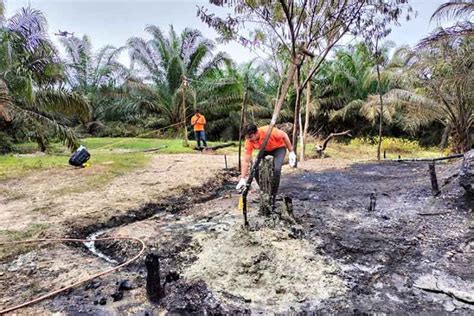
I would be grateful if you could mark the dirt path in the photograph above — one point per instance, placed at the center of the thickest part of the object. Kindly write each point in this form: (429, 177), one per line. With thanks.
(54, 199)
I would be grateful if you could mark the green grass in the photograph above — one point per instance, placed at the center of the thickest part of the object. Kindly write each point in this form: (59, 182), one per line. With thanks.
(364, 149)
(173, 146)
(31, 232)
(116, 155)
(119, 155)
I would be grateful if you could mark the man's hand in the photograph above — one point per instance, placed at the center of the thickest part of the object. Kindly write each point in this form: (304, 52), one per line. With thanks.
(292, 159)
(242, 183)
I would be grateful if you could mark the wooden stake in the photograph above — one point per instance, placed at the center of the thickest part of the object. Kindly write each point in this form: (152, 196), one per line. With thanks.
(373, 202)
(225, 160)
(434, 181)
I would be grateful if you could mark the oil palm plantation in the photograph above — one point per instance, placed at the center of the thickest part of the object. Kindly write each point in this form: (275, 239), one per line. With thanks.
(96, 76)
(33, 101)
(164, 62)
(438, 87)
(353, 84)
(232, 94)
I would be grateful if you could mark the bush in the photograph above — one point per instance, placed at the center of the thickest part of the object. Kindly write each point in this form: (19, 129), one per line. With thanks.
(390, 144)
(6, 143)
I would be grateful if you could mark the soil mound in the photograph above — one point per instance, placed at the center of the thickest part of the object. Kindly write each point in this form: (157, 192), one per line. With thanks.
(265, 267)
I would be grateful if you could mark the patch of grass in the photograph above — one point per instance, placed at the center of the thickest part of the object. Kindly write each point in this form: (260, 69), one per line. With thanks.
(360, 149)
(113, 163)
(16, 165)
(115, 155)
(31, 232)
(173, 146)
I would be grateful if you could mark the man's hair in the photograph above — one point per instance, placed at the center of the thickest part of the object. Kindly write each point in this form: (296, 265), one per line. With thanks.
(250, 129)
(197, 111)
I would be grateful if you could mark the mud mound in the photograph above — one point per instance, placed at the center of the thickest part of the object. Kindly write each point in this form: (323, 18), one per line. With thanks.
(264, 268)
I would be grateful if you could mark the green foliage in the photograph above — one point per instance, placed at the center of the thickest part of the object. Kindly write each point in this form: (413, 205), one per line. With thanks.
(32, 101)
(390, 144)
(6, 143)
(165, 61)
(32, 231)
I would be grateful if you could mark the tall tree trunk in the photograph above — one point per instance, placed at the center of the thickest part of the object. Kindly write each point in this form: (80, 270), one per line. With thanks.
(300, 123)
(381, 112)
(276, 111)
(296, 124)
(185, 130)
(462, 138)
(445, 137)
(243, 113)
(306, 120)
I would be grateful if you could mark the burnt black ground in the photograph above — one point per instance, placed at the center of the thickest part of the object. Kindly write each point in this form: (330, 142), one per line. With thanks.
(384, 252)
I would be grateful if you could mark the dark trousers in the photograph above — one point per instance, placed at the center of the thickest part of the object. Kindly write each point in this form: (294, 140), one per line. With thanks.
(200, 135)
(278, 158)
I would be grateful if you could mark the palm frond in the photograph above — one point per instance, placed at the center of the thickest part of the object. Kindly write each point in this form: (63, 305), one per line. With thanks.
(63, 102)
(455, 9)
(352, 108)
(4, 101)
(32, 118)
(459, 30)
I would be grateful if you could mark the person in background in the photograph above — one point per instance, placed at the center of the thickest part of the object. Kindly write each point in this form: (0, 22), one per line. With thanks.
(198, 121)
(277, 145)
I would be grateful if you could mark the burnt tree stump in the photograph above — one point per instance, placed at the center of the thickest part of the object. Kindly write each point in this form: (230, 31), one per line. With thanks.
(372, 202)
(266, 183)
(154, 290)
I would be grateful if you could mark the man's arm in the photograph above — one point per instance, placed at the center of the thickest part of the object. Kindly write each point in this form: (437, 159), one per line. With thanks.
(245, 166)
(287, 141)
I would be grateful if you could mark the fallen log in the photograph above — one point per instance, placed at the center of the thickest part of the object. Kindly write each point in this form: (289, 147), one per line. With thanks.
(154, 149)
(427, 159)
(213, 148)
(321, 148)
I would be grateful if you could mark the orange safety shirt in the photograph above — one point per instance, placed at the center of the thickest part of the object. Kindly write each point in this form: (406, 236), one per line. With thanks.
(277, 140)
(198, 121)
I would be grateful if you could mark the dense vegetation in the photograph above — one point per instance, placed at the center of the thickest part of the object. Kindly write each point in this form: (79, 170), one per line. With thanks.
(44, 96)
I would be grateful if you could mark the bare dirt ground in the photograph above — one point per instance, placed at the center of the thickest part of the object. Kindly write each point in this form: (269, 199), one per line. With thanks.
(413, 254)
(57, 198)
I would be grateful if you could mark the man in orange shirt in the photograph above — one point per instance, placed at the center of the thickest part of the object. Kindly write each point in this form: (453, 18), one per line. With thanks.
(277, 145)
(198, 121)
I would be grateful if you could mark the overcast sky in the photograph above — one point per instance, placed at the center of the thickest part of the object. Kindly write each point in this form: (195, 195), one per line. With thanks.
(114, 21)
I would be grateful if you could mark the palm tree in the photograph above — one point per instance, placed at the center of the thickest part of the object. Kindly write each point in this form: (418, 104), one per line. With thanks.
(36, 103)
(438, 87)
(95, 76)
(460, 10)
(165, 62)
(231, 93)
(354, 79)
